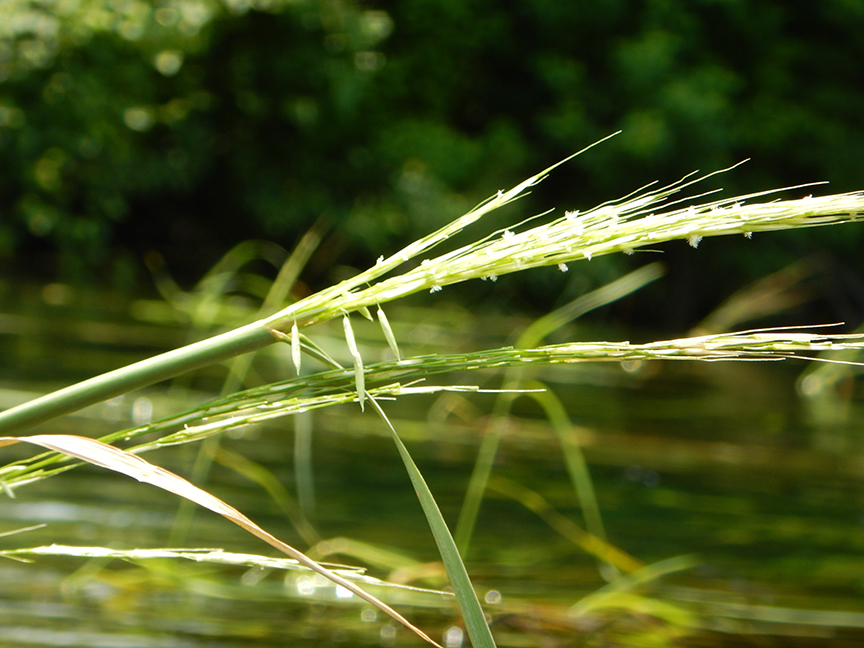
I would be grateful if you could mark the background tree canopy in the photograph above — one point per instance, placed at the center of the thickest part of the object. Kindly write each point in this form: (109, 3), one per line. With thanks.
(186, 126)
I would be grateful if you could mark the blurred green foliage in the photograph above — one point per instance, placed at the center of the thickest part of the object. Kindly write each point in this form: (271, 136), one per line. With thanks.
(188, 125)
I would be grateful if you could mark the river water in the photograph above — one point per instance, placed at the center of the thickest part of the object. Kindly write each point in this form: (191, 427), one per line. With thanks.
(736, 486)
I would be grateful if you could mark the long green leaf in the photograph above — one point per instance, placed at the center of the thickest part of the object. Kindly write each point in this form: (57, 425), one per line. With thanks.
(466, 597)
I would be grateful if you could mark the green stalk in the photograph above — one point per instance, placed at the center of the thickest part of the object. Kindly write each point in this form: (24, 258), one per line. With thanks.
(135, 376)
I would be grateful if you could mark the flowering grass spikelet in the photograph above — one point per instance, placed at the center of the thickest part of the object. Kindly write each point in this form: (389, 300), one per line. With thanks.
(359, 378)
(388, 333)
(295, 347)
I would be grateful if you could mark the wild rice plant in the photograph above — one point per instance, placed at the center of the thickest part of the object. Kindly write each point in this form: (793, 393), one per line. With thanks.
(646, 217)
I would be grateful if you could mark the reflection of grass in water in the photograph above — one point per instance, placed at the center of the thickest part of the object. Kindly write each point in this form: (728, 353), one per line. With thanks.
(624, 225)
(557, 416)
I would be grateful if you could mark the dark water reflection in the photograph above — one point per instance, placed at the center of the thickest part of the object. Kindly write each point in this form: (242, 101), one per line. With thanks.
(722, 461)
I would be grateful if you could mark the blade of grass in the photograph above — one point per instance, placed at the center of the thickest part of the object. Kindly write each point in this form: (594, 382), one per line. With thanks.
(267, 480)
(22, 530)
(606, 595)
(304, 475)
(368, 553)
(590, 543)
(577, 467)
(537, 331)
(466, 597)
(290, 270)
(480, 474)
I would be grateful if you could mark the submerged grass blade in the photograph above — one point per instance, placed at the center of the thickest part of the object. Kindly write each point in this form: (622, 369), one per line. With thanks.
(368, 553)
(577, 467)
(466, 597)
(607, 595)
(588, 542)
(480, 474)
(260, 475)
(106, 456)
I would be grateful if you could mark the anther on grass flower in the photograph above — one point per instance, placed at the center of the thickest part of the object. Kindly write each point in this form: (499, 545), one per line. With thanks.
(563, 267)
